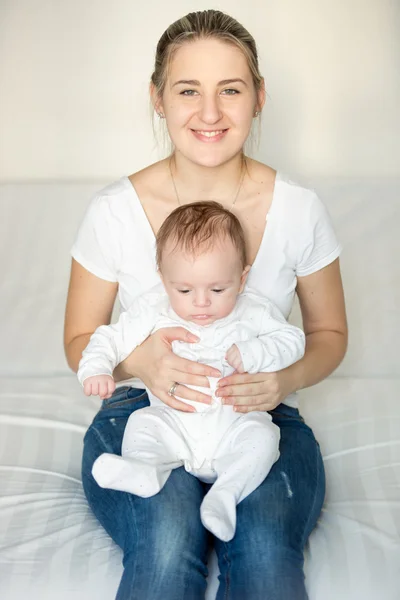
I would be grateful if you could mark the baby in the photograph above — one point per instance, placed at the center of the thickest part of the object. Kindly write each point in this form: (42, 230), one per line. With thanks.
(201, 258)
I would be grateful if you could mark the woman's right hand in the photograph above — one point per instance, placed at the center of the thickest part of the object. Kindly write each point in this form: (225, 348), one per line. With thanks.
(159, 368)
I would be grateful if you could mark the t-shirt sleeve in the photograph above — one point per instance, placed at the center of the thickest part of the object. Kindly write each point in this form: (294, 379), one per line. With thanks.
(319, 246)
(94, 245)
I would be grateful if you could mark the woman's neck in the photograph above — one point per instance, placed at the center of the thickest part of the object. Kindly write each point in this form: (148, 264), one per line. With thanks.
(195, 182)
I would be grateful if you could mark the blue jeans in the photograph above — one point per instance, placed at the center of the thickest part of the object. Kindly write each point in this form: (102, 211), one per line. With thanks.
(166, 547)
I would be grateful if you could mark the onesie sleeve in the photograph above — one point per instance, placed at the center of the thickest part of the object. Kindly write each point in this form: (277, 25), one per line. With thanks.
(318, 243)
(95, 246)
(277, 345)
(111, 344)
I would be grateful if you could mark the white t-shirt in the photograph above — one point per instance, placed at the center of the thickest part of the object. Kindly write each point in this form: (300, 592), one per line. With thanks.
(116, 242)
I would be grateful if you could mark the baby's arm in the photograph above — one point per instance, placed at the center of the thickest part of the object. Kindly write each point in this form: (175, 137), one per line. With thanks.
(111, 344)
(277, 346)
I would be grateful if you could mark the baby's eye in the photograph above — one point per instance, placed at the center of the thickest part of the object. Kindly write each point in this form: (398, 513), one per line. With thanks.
(183, 291)
(217, 291)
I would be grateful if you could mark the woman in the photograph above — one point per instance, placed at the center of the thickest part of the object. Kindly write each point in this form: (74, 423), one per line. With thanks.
(207, 86)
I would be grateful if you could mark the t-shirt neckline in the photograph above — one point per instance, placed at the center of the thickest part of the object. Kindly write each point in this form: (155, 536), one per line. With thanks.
(152, 236)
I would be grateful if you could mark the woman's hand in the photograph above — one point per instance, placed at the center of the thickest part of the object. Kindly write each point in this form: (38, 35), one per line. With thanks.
(159, 369)
(261, 391)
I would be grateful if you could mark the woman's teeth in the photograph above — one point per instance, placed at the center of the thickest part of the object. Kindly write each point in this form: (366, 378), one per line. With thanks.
(210, 133)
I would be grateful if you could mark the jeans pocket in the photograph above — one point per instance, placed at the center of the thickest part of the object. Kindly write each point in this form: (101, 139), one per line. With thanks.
(282, 411)
(122, 396)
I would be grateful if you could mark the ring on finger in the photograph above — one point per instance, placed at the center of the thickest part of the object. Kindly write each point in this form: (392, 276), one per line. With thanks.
(172, 389)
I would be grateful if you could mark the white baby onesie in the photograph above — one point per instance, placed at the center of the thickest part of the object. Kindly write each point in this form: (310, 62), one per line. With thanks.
(233, 451)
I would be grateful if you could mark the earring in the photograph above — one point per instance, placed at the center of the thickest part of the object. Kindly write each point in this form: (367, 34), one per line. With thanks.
(257, 113)
(160, 114)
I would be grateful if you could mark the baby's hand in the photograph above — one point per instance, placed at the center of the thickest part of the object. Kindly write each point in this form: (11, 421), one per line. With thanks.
(234, 358)
(99, 385)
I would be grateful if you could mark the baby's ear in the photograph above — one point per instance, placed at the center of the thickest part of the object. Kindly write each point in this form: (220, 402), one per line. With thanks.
(243, 278)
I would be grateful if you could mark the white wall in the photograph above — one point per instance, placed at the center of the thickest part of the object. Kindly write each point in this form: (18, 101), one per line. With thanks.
(74, 79)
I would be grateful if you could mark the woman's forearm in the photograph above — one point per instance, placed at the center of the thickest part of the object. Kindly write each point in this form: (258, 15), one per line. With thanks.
(73, 351)
(324, 353)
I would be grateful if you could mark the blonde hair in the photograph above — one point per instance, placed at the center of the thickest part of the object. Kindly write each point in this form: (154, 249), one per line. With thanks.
(196, 227)
(201, 25)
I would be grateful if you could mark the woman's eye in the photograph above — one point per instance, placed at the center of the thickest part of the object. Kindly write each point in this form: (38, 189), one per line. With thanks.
(188, 93)
(230, 92)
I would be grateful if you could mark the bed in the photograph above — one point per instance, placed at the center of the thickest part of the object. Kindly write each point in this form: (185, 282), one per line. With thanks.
(51, 546)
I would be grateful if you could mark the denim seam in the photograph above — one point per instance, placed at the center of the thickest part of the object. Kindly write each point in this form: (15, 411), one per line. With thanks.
(307, 525)
(227, 576)
(101, 440)
(134, 569)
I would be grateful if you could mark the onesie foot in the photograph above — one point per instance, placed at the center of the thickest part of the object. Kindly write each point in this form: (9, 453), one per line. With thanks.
(127, 475)
(218, 514)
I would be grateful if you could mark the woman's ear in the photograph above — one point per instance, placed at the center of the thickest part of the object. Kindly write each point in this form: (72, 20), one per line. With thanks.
(156, 100)
(261, 95)
(243, 278)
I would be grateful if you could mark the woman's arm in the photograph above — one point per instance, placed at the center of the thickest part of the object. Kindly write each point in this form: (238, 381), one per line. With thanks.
(324, 321)
(325, 326)
(90, 303)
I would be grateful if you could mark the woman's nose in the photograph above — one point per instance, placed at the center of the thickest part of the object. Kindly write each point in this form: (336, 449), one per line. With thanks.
(210, 111)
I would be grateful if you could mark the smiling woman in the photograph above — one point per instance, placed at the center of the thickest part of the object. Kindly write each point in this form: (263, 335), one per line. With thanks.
(207, 85)
(212, 108)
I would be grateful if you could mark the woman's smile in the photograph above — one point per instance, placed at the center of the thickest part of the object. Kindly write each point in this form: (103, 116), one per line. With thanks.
(209, 136)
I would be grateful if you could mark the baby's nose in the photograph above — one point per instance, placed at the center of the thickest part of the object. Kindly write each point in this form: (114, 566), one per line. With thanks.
(202, 300)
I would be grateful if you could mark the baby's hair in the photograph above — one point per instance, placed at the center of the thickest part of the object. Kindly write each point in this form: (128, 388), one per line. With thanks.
(196, 227)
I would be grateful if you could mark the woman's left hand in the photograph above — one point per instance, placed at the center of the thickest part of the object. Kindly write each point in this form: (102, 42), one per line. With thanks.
(261, 391)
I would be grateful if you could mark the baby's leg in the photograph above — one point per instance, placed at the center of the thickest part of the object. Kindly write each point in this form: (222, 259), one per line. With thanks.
(242, 461)
(152, 446)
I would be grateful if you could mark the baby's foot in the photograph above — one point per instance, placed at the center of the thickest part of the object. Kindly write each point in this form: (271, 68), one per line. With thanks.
(126, 475)
(218, 514)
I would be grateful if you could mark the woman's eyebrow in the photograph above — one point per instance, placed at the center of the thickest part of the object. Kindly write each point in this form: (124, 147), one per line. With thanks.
(197, 83)
(236, 80)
